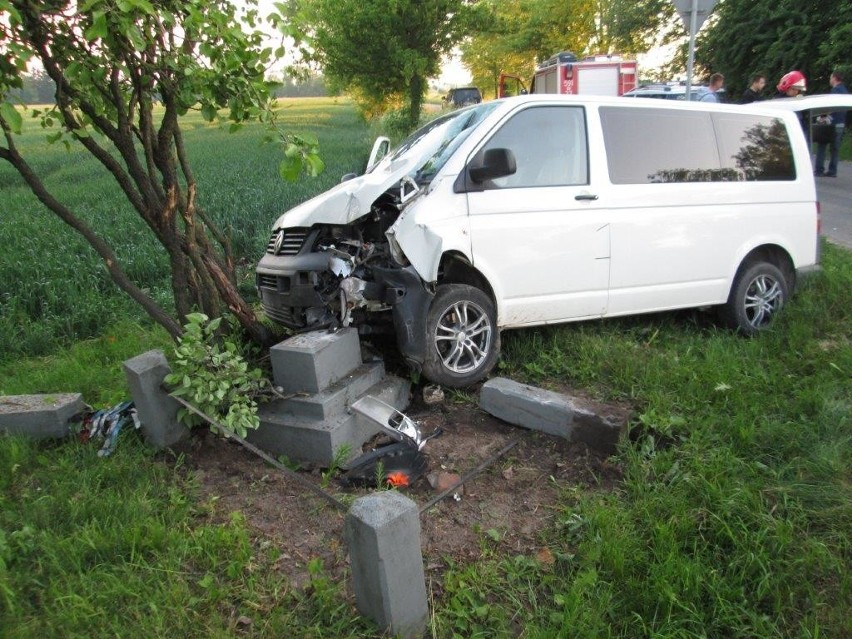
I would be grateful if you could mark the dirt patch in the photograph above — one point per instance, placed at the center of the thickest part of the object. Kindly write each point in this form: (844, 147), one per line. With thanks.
(509, 503)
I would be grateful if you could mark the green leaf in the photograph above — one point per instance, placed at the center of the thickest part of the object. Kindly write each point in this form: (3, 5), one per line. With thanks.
(142, 5)
(308, 139)
(208, 112)
(290, 168)
(10, 114)
(315, 164)
(99, 28)
(207, 581)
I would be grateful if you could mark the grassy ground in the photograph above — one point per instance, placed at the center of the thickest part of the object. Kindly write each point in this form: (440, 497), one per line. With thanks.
(733, 520)
(735, 513)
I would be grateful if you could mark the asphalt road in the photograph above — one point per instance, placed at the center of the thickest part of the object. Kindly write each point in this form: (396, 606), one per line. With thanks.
(835, 197)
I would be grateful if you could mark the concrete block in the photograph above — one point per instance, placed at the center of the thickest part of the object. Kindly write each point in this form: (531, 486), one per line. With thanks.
(308, 439)
(599, 432)
(311, 362)
(303, 439)
(336, 398)
(527, 406)
(39, 416)
(549, 412)
(383, 532)
(157, 411)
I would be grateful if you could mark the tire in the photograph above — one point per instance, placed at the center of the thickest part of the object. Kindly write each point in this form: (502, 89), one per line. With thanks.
(759, 292)
(462, 340)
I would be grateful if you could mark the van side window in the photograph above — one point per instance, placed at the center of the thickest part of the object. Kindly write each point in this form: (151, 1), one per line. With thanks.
(549, 144)
(659, 145)
(756, 147)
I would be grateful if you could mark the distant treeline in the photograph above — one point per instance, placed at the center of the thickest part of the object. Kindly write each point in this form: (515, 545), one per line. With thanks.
(38, 88)
(313, 87)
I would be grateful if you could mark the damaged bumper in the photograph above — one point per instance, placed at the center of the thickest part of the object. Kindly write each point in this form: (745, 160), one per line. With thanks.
(289, 281)
(306, 289)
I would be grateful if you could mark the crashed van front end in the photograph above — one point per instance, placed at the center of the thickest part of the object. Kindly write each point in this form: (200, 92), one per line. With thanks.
(375, 252)
(330, 275)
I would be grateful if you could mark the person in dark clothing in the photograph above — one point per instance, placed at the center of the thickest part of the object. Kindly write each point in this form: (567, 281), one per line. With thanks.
(838, 121)
(753, 93)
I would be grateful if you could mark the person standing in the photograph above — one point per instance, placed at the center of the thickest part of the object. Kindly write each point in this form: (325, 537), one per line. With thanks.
(716, 82)
(791, 85)
(838, 122)
(754, 90)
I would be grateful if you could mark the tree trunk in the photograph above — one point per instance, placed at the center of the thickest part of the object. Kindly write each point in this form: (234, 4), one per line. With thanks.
(415, 100)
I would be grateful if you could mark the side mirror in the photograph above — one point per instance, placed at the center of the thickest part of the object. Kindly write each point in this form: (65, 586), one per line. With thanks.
(495, 163)
(380, 149)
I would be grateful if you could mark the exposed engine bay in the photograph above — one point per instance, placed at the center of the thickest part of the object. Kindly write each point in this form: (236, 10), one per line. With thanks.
(330, 276)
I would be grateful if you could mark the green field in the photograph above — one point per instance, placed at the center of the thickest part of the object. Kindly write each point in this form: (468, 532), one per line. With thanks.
(733, 518)
(52, 286)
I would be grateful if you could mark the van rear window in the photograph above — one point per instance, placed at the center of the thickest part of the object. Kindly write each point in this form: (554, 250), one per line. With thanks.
(755, 147)
(646, 146)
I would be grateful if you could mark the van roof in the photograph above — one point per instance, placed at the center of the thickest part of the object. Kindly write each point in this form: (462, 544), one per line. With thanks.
(816, 103)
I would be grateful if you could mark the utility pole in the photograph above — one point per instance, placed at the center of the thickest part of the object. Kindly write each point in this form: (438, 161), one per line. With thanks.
(693, 13)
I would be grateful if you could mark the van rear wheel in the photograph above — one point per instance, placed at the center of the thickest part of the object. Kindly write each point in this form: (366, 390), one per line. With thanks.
(758, 294)
(463, 342)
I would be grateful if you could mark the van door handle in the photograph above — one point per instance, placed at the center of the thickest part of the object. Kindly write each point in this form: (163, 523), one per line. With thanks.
(586, 196)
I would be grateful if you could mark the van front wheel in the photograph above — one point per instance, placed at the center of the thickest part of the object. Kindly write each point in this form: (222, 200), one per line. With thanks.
(463, 342)
(758, 294)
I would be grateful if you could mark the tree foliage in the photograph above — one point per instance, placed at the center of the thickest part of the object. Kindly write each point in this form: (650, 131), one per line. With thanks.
(773, 37)
(514, 35)
(124, 72)
(212, 375)
(381, 51)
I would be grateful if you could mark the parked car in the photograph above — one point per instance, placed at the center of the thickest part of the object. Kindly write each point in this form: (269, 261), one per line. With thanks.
(667, 91)
(543, 209)
(463, 96)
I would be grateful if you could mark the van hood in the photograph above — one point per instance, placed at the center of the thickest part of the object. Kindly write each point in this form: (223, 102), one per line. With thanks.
(350, 200)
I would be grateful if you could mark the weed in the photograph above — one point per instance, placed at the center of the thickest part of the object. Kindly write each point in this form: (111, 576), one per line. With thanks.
(380, 477)
(338, 460)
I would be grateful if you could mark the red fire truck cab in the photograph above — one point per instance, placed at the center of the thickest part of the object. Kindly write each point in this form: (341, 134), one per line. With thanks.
(593, 75)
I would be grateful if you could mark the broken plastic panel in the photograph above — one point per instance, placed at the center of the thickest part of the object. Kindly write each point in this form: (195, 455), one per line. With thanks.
(401, 465)
(392, 421)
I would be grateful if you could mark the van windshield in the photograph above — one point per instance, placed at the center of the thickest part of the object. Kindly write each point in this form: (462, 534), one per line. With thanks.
(434, 143)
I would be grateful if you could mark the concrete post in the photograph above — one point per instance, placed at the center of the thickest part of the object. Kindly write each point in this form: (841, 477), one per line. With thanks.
(157, 411)
(383, 531)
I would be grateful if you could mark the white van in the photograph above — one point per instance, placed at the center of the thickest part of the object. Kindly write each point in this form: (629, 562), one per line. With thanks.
(543, 209)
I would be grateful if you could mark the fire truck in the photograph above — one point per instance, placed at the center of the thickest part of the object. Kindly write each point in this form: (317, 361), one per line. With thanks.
(593, 75)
